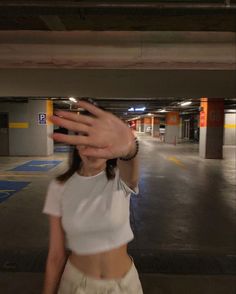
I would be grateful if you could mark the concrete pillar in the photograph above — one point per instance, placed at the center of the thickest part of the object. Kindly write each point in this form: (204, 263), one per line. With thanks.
(147, 125)
(230, 129)
(155, 127)
(211, 128)
(181, 128)
(142, 125)
(138, 125)
(172, 127)
(29, 129)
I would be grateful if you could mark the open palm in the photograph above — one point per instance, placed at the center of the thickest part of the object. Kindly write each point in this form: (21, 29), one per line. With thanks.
(103, 134)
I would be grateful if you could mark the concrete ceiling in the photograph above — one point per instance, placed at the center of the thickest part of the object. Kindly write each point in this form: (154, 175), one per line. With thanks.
(123, 53)
(137, 15)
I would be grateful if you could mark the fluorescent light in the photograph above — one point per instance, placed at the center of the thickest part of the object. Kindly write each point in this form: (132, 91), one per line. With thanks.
(163, 110)
(149, 114)
(140, 109)
(136, 109)
(186, 103)
(131, 109)
(72, 99)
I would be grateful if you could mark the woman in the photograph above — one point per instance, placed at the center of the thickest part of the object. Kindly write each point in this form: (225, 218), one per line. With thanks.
(88, 207)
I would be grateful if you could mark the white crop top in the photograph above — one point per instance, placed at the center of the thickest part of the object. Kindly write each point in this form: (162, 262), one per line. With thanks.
(94, 211)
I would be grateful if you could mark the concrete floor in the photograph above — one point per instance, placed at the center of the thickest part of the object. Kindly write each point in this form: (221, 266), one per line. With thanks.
(183, 220)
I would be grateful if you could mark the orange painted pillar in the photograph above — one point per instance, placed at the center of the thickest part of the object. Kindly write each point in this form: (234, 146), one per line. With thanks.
(155, 127)
(211, 128)
(172, 128)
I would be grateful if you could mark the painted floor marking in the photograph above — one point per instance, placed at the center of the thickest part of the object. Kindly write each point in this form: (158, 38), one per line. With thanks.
(22, 175)
(9, 188)
(43, 165)
(37, 165)
(176, 161)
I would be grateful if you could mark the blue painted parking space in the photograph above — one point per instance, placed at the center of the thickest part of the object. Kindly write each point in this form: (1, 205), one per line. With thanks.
(9, 188)
(37, 165)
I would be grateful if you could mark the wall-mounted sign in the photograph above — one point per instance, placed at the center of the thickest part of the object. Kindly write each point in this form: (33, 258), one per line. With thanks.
(42, 118)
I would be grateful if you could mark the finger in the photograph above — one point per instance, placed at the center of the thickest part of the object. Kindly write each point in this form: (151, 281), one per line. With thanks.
(71, 139)
(85, 119)
(70, 125)
(75, 117)
(96, 152)
(91, 108)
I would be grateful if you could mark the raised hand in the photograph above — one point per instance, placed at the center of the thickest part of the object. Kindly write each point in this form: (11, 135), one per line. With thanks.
(103, 134)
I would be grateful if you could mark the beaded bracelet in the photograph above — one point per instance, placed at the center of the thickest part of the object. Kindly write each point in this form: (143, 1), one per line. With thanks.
(136, 151)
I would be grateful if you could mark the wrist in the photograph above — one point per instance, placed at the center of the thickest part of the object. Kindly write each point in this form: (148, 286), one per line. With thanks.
(133, 150)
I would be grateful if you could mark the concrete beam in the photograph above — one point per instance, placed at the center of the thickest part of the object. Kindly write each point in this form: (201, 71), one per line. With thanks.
(117, 83)
(119, 4)
(118, 50)
(53, 22)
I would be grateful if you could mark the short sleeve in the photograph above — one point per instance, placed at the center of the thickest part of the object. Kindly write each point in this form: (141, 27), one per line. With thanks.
(52, 205)
(124, 186)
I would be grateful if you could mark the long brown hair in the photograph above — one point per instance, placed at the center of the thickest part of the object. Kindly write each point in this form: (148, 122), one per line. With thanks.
(75, 165)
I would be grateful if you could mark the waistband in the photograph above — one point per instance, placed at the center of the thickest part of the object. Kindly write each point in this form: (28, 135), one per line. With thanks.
(74, 275)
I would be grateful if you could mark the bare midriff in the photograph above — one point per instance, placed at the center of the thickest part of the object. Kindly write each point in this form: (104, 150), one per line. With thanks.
(112, 264)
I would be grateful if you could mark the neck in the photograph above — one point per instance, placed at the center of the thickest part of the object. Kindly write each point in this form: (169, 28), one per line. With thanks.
(91, 171)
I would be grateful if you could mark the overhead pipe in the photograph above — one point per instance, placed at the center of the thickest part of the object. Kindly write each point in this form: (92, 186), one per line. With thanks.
(160, 5)
(226, 4)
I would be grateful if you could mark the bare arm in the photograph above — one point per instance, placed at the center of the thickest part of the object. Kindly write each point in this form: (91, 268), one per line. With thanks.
(56, 256)
(129, 170)
(106, 137)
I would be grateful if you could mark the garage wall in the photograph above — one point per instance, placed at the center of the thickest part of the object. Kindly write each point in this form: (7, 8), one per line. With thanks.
(230, 129)
(26, 136)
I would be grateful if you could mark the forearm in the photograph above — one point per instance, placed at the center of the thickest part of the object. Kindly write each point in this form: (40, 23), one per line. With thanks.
(129, 170)
(54, 270)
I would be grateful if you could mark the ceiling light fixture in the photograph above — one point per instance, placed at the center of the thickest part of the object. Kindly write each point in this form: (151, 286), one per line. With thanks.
(186, 103)
(136, 109)
(140, 109)
(73, 99)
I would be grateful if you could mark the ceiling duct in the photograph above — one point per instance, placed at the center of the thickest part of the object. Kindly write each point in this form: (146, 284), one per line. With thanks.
(225, 4)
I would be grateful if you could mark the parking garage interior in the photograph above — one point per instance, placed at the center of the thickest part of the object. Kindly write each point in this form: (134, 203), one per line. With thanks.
(167, 69)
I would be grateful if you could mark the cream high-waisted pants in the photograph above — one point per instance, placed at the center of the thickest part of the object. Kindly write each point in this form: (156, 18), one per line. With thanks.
(75, 282)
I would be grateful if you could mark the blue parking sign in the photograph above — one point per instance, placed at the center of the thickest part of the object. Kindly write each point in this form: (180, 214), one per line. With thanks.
(42, 118)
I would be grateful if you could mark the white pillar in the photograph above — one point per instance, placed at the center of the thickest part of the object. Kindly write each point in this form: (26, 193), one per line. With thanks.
(172, 128)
